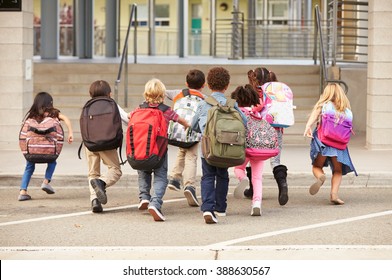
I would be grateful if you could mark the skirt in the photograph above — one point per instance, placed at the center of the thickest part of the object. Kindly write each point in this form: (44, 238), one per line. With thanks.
(343, 156)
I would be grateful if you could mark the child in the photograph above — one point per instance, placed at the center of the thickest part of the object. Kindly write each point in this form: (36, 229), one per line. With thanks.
(215, 180)
(185, 166)
(257, 78)
(154, 94)
(98, 183)
(41, 108)
(323, 155)
(247, 98)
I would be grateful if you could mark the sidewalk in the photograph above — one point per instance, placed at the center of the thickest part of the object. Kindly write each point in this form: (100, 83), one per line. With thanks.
(374, 168)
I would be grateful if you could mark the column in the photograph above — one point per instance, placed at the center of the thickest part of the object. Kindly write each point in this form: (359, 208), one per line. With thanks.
(379, 93)
(84, 16)
(49, 29)
(183, 28)
(111, 18)
(16, 83)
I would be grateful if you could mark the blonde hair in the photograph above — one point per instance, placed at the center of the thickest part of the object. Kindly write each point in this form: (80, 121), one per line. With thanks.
(334, 92)
(154, 91)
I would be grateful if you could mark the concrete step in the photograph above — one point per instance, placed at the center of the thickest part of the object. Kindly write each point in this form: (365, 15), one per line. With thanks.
(69, 84)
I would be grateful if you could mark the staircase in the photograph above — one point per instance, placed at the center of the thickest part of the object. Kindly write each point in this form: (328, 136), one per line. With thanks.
(69, 83)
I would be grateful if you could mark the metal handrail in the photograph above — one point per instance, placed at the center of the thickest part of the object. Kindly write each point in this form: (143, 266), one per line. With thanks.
(323, 69)
(124, 56)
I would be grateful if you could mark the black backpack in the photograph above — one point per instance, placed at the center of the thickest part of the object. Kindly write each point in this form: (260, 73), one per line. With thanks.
(100, 124)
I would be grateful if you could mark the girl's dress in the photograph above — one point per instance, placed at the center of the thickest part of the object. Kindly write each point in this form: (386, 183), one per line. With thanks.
(343, 156)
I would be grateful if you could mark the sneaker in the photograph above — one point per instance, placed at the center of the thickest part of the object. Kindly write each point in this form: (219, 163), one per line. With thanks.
(23, 197)
(209, 217)
(156, 214)
(47, 188)
(96, 206)
(143, 205)
(190, 194)
(239, 190)
(99, 188)
(174, 185)
(256, 209)
(220, 214)
(248, 193)
(317, 185)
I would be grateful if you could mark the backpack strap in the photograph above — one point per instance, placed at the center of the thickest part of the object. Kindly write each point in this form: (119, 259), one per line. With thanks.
(161, 106)
(212, 101)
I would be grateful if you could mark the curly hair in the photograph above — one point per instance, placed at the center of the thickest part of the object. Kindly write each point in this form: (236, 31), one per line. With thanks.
(218, 79)
(246, 96)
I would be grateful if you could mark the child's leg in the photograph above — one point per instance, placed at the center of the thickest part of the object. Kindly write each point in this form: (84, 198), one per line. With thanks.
(49, 172)
(336, 181)
(221, 190)
(239, 171)
(207, 186)
(318, 172)
(28, 172)
(110, 159)
(144, 182)
(178, 168)
(257, 179)
(190, 168)
(160, 184)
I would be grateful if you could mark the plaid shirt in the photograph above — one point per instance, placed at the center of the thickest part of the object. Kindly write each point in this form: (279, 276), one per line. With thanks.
(169, 114)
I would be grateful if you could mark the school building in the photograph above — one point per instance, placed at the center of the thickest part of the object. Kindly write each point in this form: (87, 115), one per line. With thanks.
(62, 46)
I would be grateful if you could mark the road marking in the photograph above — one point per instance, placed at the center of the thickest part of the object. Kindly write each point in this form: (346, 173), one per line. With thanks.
(78, 214)
(296, 229)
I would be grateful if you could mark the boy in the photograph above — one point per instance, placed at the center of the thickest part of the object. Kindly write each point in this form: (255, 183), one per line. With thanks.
(215, 180)
(98, 183)
(185, 167)
(154, 94)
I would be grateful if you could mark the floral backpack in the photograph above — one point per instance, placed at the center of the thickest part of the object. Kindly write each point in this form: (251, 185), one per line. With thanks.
(261, 137)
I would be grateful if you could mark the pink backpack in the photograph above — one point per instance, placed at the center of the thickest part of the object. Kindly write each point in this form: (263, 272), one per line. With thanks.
(261, 137)
(335, 129)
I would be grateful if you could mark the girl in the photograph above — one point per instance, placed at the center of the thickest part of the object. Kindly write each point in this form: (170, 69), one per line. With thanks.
(257, 78)
(247, 98)
(323, 155)
(42, 107)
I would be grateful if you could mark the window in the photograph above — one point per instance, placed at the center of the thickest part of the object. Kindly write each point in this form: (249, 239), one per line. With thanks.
(162, 15)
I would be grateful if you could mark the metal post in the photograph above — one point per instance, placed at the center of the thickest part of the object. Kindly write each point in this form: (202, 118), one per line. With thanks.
(151, 27)
(235, 37)
(212, 27)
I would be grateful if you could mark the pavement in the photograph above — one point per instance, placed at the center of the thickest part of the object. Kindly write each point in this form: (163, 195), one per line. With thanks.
(61, 226)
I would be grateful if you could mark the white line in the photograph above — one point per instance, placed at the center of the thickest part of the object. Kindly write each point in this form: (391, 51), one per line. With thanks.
(290, 230)
(77, 214)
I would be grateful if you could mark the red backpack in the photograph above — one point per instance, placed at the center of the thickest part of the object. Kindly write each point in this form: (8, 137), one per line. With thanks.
(146, 140)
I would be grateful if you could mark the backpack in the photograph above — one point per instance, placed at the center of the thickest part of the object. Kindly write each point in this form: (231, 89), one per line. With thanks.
(185, 104)
(335, 129)
(41, 142)
(100, 124)
(146, 139)
(261, 138)
(278, 104)
(223, 140)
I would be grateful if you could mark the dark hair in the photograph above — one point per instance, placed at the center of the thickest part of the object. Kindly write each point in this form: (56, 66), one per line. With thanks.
(260, 76)
(42, 107)
(246, 96)
(100, 88)
(218, 79)
(195, 79)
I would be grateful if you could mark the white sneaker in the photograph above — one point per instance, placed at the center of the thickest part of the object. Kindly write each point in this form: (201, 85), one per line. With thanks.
(47, 188)
(242, 185)
(256, 209)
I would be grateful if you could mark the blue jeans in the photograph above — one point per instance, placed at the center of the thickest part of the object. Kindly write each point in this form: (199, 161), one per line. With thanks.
(29, 170)
(214, 187)
(160, 184)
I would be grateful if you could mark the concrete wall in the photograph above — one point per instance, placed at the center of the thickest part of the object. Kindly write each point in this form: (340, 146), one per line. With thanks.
(16, 48)
(379, 90)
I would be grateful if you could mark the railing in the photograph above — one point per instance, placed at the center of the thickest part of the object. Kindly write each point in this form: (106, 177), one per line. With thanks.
(318, 37)
(124, 56)
(347, 31)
